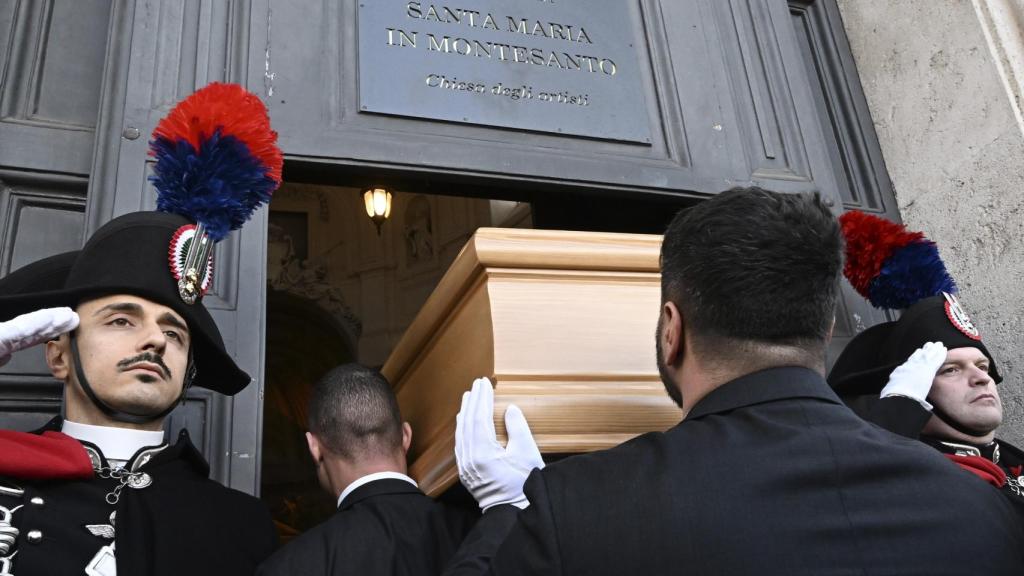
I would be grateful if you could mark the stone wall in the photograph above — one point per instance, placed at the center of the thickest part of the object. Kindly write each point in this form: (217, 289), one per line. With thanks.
(942, 81)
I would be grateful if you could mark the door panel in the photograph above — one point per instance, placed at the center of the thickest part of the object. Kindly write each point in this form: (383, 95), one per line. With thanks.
(52, 57)
(51, 64)
(854, 155)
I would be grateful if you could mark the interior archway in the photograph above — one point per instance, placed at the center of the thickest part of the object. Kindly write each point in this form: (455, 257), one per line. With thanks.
(303, 342)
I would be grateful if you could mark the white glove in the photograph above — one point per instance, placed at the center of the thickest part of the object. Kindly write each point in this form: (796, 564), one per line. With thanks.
(914, 377)
(492, 474)
(34, 328)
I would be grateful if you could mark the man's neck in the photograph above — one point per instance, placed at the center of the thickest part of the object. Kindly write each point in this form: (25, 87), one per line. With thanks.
(938, 429)
(78, 408)
(374, 476)
(989, 450)
(698, 378)
(951, 435)
(341, 473)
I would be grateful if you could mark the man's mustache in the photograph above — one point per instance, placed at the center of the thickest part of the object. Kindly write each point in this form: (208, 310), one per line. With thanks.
(149, 357)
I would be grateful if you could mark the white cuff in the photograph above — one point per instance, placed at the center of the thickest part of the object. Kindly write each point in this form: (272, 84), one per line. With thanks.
(924, 403)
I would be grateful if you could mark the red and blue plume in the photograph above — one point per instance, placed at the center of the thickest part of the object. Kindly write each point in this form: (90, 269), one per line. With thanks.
(217, 159)
(889, 265)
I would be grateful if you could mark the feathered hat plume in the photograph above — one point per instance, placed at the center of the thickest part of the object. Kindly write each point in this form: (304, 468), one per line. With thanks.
(889, 265)
(217, 161)
(217, 158)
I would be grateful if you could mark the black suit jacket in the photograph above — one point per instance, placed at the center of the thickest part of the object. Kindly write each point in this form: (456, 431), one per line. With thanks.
(768, 474)
(386, 526)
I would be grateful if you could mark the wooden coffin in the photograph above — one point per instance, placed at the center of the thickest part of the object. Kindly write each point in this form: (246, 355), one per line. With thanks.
(562, 322)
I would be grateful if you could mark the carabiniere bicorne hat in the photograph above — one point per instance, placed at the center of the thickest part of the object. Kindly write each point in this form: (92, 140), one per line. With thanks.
(866, 362)
(128, 255)
(897, 269)
(216, 162)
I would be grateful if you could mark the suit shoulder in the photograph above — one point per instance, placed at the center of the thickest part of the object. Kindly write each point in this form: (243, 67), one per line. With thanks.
(630, 455)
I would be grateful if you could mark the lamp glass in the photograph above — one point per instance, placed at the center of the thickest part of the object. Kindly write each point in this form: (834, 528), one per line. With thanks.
(381, 202)
(368, 200)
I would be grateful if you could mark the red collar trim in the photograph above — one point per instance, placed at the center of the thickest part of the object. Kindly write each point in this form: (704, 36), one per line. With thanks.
(982, 468)
(47, 456)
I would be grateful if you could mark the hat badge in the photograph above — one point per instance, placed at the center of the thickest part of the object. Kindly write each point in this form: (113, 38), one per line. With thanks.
(191, 262)
(958, 317)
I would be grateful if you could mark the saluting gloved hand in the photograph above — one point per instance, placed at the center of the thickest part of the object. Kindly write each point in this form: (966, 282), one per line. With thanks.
(914, 377)
(34, 328)
(492, 474)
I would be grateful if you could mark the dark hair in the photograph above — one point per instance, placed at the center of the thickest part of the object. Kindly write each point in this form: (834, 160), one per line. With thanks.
(354, 413)
(756, 266)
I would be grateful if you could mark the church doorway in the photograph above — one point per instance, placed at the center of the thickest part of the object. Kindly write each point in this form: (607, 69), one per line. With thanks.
(340, 291)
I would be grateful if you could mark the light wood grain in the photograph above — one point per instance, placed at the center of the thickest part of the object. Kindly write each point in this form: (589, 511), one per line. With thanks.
(563, 323)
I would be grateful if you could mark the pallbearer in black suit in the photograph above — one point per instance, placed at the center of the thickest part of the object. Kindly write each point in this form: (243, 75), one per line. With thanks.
(768, 473)
(384, 524)
(928, 375)
(100, 491)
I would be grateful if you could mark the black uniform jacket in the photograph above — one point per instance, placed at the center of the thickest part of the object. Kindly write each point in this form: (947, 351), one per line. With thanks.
(768, 474)
(181, 523)
(907, 417)
(386, 526)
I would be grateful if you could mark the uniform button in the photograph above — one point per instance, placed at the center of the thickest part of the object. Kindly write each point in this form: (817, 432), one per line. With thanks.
(34, 536)
(37, 501)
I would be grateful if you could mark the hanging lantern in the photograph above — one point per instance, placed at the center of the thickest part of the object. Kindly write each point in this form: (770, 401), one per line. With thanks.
(378, 204)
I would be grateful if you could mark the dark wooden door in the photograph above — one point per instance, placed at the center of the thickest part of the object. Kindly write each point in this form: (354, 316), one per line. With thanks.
(51, 85)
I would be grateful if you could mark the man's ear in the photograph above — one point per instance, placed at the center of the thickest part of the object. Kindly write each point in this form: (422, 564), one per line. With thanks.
(58, 357)
(672, 334)
(314, 448)
(406, 437)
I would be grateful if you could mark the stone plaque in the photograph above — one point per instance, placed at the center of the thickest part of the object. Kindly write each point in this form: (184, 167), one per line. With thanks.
(562, 66)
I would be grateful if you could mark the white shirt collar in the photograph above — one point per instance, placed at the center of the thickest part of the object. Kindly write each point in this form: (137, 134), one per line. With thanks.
(118, 444)
(370, 478)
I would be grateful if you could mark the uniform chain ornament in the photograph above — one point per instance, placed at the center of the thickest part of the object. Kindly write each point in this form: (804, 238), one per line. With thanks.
(1016, 485)
(135, 480)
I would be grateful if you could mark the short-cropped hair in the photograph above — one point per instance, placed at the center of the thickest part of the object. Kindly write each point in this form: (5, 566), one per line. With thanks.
(756, 266)
(354, 413)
